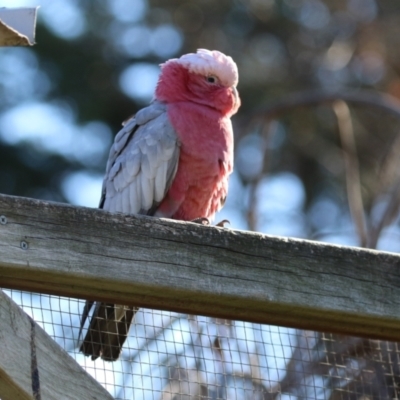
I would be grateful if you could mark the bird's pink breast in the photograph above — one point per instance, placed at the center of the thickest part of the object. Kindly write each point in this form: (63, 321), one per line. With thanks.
(206, 160)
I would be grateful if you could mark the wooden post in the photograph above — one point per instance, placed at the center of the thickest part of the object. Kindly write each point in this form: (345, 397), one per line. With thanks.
(157, 263)
(34, 367)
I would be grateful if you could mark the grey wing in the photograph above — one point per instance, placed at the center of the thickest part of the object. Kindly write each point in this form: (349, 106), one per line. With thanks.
(142, 163)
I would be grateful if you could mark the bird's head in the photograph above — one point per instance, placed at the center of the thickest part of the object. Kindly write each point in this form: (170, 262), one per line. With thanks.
(207, 77)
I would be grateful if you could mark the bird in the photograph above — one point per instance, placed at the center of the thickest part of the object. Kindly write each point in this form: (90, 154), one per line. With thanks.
(170, 160)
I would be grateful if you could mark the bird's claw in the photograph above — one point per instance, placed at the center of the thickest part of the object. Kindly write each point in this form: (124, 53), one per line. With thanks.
(206, 222)
(223, 222)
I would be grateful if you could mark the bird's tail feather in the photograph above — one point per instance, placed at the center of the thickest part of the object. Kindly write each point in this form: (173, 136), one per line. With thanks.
(108, 330)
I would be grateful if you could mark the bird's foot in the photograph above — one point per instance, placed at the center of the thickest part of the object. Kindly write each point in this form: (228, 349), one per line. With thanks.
(206, 222)
(202, 221)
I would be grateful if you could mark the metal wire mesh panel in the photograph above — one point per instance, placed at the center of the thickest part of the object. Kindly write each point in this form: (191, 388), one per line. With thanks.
(176, 356)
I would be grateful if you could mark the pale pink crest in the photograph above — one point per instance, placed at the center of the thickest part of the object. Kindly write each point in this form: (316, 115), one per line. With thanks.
(214, 63)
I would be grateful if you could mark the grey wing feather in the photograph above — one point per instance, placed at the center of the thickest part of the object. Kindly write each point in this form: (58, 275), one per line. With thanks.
(142, 163)
(141, 167)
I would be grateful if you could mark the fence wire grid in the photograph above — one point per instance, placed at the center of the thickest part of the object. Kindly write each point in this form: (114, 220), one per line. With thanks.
(177, 357)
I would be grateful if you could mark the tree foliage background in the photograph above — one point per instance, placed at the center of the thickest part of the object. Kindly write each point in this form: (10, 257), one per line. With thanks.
(306, 165)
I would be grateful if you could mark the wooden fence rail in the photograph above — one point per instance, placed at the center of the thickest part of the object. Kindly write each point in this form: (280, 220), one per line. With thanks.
(157, 263)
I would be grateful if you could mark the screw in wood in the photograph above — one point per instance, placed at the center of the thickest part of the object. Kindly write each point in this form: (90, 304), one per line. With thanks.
(3, 219)
(24, 245)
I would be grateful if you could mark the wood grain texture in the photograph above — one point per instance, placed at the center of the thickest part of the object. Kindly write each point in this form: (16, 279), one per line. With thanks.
(157, 263)
(33, 366)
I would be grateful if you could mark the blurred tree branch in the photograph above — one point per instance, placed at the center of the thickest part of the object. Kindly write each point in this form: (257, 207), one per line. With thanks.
(366, 98)
(353, 183)
(389, 178)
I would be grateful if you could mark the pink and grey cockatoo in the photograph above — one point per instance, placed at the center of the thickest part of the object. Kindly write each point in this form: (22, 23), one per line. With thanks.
(172, 160)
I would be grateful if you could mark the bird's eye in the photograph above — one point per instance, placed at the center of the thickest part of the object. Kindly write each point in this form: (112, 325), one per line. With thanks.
(211, 79)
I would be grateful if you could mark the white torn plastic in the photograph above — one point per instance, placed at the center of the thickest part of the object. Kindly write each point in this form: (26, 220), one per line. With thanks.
(17, 26)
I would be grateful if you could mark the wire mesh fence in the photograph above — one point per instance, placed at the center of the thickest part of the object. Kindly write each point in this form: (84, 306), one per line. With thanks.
(177, 356)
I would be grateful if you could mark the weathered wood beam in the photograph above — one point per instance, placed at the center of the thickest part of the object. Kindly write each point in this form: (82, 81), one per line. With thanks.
(33, 366)
(89, 253)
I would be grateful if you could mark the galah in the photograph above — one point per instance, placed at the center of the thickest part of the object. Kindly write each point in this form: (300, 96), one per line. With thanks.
(172, 160)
